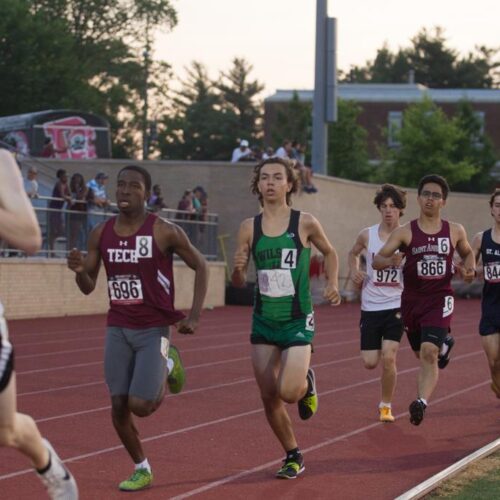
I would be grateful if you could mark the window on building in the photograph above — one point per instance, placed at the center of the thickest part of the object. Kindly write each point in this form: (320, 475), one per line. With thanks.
(395, 122)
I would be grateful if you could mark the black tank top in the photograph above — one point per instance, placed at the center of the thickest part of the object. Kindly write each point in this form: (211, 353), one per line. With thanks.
(490, 255)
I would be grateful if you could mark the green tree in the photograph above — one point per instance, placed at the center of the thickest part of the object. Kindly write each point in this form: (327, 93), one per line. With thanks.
(238, 94)
(199, 127)
(474, 146)
(293, 121)
(347, 145)
(429, 144)
(84, 54)
(434, 63)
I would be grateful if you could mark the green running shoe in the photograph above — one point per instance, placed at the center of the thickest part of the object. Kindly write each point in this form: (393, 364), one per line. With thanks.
(140, 479)
(308, 405)
(291, 468)
(177, 376)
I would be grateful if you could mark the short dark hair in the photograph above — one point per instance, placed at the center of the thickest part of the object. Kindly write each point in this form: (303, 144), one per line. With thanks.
(291, 176)
(397, 195)
(60, 172)
(493, 196)
(436, 179)
(140, 170)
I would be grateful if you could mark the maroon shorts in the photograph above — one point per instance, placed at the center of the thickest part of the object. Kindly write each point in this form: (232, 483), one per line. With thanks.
(426, 311)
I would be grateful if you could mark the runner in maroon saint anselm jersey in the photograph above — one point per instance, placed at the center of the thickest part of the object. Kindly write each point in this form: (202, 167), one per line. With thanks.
(428, 244)
(137, 251)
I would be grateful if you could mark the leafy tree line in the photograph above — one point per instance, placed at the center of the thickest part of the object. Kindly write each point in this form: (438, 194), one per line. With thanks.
(95, 55)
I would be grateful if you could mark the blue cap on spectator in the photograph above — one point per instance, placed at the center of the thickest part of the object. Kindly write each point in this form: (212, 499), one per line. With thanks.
(102, 175)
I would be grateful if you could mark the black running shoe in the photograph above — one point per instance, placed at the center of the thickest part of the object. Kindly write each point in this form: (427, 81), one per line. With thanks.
(444, 359)
(292, 467)
(417, 410)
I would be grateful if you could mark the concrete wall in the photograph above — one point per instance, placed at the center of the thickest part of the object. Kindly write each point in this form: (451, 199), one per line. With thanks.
(45, 288)
(343, 207)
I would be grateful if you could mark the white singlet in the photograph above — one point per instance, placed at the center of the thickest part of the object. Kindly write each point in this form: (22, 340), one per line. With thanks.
(381, 289)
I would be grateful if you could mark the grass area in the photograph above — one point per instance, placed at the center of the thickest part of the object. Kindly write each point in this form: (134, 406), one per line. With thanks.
(479, 481)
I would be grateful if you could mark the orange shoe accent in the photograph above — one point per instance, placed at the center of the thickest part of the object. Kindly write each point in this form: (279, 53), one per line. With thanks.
(385, 414)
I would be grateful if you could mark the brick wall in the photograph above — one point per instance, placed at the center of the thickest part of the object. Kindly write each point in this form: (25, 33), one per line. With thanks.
(45, 288)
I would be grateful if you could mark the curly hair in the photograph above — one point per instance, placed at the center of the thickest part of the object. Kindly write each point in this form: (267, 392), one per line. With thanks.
(397, 195)
(291, 177)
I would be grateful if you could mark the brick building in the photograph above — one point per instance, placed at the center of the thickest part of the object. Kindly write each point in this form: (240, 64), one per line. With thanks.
(383, 106)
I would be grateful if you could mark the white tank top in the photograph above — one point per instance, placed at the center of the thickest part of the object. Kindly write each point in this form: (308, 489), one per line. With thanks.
(381, 289)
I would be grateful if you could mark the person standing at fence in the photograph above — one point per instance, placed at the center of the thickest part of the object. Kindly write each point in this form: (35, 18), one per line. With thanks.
(428, 244)
(137, 249)
(380, 324)
(81, 197)
(60, 195)
(100, 201)
(19, 226)
(486, 247)
(279, 240)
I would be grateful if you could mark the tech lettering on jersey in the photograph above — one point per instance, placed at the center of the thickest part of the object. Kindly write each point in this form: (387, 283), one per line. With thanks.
(143, 250)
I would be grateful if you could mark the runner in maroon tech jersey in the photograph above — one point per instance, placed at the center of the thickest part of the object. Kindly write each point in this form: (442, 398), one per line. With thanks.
(137, 250)
(428, 244)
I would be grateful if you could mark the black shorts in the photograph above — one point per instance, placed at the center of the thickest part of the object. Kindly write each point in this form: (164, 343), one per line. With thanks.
(433, 334)
(6, 356)
(489, 324)
(376, 326)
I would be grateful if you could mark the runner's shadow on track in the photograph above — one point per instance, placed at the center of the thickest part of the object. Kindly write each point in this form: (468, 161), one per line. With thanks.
(389, 464)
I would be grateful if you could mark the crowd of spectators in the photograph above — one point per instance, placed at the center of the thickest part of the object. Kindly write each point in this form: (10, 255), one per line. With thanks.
(293, 150)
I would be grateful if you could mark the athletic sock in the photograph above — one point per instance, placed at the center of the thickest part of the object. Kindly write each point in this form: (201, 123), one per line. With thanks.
(143, 465)
(382, 404)
(170, 365)
(422, 400)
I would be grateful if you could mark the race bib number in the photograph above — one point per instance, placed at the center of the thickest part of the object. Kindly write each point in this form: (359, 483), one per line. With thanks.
(125, 291)
(387, 277)
(492, 272)
(144, 247)
(310, 322)
(276, 282)
(449, 302)
(431, 269)
(289, 258)
(444, 245)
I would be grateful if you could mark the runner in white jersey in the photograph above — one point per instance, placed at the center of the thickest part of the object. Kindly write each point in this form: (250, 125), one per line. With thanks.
(19, 227)
(380, 324)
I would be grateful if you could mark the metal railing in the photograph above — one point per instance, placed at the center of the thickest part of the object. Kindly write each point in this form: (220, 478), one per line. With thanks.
(64, 229)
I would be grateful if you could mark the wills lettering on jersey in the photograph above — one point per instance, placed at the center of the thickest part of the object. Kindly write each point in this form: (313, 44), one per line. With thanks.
(122, 255)
(269, 253)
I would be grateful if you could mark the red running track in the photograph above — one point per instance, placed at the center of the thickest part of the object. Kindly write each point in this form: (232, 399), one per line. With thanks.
(212, 440)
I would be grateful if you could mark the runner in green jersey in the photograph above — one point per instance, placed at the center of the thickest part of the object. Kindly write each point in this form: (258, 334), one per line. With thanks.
(279, 239)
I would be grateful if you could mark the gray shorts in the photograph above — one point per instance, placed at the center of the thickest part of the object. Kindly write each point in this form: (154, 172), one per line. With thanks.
(135, 361)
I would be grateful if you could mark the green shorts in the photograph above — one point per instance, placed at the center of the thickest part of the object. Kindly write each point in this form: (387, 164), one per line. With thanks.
(282, 334)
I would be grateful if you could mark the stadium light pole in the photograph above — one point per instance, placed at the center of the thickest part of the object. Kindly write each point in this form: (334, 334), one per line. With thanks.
(325, 85)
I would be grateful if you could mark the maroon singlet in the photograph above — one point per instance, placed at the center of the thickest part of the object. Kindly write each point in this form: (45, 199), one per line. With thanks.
(140, 278)
(428, 268)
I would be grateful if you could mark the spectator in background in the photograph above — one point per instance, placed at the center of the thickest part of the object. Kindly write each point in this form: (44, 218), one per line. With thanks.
(188, 212)
(60, 196)
(243, 153)
(30, 183)
(49, 150)
(268, 153)
(81, 196)
(100, 202)
(298, 154)
(285, 151)
(155, 202)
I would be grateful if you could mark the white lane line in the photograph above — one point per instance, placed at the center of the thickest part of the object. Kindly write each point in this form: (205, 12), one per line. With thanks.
(327, 442)
(433, 482)
(240, 415)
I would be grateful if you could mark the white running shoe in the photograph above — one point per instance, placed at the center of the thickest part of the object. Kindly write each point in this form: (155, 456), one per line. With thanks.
(60, 483)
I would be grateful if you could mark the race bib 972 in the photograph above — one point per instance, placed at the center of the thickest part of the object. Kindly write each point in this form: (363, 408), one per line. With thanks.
(386, 277)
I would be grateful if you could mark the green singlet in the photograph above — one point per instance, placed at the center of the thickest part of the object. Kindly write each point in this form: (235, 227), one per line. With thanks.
(283, 312)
